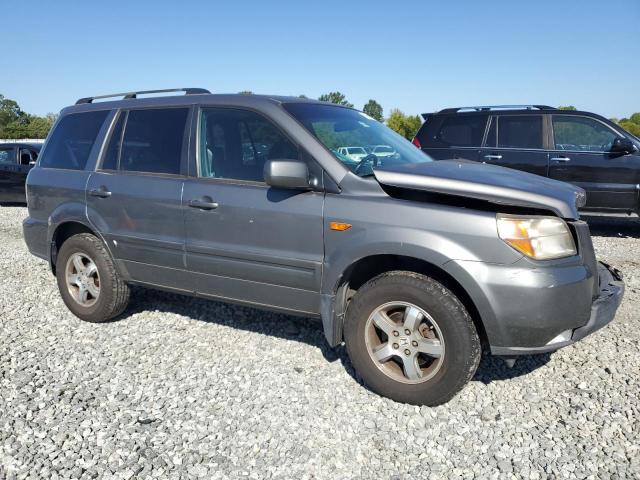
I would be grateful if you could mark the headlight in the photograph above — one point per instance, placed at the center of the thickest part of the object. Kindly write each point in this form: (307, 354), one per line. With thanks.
(541, 238)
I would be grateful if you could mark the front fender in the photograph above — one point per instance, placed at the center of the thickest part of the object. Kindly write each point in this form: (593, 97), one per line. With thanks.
(406, 242)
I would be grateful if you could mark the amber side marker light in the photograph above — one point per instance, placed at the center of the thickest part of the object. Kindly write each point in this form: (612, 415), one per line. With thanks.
(339, 227)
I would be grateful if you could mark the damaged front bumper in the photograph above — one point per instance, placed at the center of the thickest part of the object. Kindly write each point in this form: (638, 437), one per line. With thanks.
(603, 310)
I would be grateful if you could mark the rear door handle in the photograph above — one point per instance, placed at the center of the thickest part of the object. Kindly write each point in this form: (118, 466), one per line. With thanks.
(560, 159)
(101, 192)
(203, 204)
(493, 157)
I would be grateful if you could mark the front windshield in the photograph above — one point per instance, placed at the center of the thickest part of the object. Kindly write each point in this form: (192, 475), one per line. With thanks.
(338, 127)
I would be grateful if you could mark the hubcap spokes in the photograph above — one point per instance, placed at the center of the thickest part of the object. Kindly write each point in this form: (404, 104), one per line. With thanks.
(404, 342)
(83, 281)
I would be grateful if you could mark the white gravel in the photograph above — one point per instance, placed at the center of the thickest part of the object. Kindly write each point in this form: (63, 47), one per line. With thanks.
(185, 388)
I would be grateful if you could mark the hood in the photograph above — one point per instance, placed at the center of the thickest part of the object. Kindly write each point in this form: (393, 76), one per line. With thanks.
(499, 185)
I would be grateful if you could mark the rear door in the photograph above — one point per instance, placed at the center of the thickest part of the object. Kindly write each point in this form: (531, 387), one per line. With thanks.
(453, 136)
(247, 241)
(135, 197)
(516, 141)
(582, 155)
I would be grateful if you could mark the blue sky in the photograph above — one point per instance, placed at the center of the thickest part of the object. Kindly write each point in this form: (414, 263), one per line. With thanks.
(414, 55)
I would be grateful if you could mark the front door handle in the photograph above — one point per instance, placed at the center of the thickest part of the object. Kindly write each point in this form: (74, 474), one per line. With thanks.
(101, 192)
(560, 159)
(493, 157)
(203, 204)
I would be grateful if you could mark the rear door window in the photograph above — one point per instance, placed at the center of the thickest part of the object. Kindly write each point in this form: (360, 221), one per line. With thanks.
(520, 131)
(453, 131)
(72, 140)
(152, 140)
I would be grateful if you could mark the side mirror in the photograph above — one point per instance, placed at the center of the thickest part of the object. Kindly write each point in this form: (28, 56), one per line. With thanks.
(622, 146)
(292, 174)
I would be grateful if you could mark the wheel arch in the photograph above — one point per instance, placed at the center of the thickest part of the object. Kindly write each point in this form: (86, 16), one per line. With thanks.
(364, 269)
(61, 234)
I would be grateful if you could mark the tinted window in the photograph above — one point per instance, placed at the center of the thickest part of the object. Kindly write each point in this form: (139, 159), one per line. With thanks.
(152, 140)
(446, 131)
(7, 156)
(71, 141)
(235, 144)
(581, 134)
(110, 161)
(521, 131)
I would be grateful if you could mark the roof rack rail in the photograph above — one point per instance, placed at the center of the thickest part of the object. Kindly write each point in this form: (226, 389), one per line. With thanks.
(484, 108)
(130, 95)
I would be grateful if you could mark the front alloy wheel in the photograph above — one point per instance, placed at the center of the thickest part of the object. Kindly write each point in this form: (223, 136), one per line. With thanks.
(405, 342)
(410, 338)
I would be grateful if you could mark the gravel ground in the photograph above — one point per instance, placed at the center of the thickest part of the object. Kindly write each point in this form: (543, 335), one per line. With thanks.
(185, 388)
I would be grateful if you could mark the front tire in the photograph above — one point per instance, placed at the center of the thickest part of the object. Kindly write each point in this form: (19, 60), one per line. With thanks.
(411, 339)
(88, 281)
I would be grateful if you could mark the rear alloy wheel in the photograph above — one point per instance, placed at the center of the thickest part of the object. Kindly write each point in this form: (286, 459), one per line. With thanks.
(83, 280)
(88, 281)
(411, 339)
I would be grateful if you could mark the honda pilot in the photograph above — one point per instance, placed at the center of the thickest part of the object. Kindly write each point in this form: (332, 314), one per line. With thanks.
(416, 266)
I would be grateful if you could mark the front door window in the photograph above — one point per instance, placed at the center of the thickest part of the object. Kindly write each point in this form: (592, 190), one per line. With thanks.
(581, 134)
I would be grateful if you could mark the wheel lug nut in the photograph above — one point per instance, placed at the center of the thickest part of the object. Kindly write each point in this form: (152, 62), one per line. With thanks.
(407, 331)
(407, 351)
(395, 333)
(414, 343)
(395, 345)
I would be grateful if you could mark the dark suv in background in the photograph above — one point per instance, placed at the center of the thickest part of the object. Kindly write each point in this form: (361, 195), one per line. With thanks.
(573, 146)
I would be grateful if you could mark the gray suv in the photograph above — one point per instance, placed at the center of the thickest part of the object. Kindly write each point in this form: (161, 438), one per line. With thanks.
(417, 266)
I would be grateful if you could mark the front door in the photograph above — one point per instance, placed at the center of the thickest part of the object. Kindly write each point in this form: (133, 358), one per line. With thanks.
(516, 141)
(582, 155)
(246, 241)
(134, 199)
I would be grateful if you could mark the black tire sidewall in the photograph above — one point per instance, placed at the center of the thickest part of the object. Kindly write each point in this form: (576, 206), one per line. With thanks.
(462, 347)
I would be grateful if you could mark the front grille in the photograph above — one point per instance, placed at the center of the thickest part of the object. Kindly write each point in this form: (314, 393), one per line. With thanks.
(585, 250)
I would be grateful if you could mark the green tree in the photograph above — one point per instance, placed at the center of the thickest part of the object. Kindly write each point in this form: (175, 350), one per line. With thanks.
(335, 97)
(246, 92)
(567, 107)
(38, 127)
(631, 127)
(405, 125)
(374, 110)
(9, 113)
(635, 118)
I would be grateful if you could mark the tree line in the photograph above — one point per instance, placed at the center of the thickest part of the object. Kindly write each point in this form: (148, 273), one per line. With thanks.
(17, 124)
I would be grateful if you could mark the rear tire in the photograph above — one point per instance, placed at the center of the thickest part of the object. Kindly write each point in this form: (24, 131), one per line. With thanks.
(88, 281)
(411, 339)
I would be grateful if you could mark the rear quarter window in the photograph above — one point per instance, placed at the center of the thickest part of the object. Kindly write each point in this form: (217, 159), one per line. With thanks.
(453, 131)
(72, 140)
